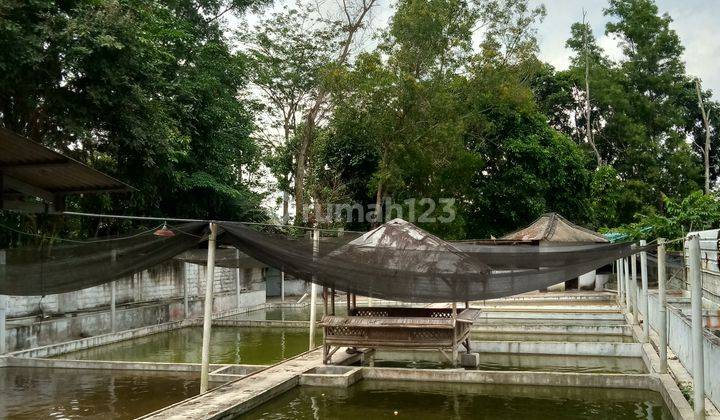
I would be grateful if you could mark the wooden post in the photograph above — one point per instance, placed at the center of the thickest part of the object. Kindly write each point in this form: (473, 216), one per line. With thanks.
(207, 319)
(662, 302)
(186, 296)
(644, 295)
(698, 372)
(354, 301)
(313, 290)
(325, 300)
(332, 301)
(3, 305)
(348, 301)
(113, 294)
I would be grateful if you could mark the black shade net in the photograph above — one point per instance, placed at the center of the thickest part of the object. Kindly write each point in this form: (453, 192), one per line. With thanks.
(45, 269)
(396, 261)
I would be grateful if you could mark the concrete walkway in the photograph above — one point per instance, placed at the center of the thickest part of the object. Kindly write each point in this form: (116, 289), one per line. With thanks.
(237, 397)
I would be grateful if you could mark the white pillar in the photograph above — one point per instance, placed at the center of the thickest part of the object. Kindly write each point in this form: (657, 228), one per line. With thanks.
(644, 295)
(3, 306)
(237, 278)
(113, 295)
(633, 289)
(207, 319)
(621, 280)
(313, 290)
(282, 286)
(186, 297)
(662, 314)
(626, 279)
(698, 372)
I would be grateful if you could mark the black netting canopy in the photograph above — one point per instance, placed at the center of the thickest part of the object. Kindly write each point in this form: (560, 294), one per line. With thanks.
(396, 261)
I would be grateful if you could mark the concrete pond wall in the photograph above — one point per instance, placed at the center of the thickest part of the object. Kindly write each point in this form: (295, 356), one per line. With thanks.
(151, 297)
(680, 342)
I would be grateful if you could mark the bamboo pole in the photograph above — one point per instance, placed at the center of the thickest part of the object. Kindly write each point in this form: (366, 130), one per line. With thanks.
(644, 295)
(207, 318)
(662, 301)
(313, 290)
(697, 327)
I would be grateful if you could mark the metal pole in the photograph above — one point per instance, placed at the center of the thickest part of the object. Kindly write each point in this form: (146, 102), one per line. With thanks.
(633, 289)
(186, 297)
(282, 286)
(3, 306)
(113, 295)
(454, 344)
(697, 327)
(621, 281)
(313, 290)
(626, 279)
(237, 278)
(207, 320)
(644, 297)
(662, 301)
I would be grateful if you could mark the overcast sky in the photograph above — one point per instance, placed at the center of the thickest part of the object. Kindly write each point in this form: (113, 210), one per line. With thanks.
(697, 22)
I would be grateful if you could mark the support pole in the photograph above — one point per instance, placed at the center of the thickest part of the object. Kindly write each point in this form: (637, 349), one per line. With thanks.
(3, 306)
(662, 301)
(644, 295)
(633, 289)
(454, 344)
(626, 279)
(332, 301)
(313, 290)
(207, 319)
(113, 295)
(282, 286)
(698, 372)
(619, 281)
(237, 279)
(186, 296)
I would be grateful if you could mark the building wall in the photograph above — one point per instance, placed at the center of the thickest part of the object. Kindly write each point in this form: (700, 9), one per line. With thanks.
(680, 341)
(151, 297)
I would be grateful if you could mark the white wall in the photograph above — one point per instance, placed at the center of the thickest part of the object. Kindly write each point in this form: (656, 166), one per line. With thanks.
(680, 341)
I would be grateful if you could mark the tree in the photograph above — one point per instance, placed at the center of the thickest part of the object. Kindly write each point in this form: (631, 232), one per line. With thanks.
(288, 54)
(706, 147)
(145, 91)
(354, 18)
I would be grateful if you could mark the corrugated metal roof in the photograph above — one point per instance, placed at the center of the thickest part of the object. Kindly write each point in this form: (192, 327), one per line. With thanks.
(36, 165)
(552, 227)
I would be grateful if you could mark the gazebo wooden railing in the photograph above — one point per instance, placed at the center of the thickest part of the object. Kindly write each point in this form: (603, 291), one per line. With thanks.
(399, 327)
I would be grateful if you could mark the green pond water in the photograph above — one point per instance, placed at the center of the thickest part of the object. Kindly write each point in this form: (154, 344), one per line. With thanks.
(582, 338)
(524, 362)
(301, 313)
(232, 345)
(419, 401)
(35, 393)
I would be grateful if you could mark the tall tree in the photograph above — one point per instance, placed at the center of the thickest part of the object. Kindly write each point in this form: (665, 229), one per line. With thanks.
(144, 90)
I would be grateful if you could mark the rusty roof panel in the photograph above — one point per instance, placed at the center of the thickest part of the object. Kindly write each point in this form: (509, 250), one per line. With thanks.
(44, 168)
(552, 227)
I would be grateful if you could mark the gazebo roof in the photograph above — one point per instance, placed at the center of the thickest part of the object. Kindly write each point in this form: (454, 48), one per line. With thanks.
(552, 227)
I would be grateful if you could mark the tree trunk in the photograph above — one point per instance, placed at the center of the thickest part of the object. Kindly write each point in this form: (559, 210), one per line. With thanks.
(378, 206)
(588, 125)
(706, 147)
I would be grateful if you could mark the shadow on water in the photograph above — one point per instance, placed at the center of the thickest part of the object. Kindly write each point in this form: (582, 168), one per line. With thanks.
(251, 345)
(35, 393)
(419, 401)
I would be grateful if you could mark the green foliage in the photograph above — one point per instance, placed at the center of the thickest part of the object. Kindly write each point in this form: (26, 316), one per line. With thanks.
(695, 212)
(145, 91)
